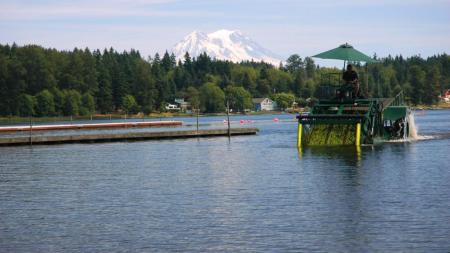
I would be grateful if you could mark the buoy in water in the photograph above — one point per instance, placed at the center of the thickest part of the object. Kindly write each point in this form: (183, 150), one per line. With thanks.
(245, 121)
(275, 120)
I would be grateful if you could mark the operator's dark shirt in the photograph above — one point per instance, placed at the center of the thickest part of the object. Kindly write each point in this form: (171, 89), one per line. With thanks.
(349, 76)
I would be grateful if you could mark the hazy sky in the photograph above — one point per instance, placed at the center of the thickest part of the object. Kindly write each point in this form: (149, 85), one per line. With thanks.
(285, 27)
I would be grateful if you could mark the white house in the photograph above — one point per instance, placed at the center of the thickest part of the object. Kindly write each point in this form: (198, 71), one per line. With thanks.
(264, 104)
(171, 107)
(183, 105)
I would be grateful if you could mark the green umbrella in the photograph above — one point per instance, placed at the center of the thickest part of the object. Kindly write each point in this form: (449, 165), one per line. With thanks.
(345, 52)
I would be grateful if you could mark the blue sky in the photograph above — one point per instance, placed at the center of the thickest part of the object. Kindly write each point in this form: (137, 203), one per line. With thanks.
(285, 26)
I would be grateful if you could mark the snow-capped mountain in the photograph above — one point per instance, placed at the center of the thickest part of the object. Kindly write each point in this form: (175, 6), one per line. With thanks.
(225, 45)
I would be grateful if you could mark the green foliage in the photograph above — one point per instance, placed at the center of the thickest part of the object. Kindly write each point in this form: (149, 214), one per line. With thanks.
(58, 97)
(239, 99)
(294, 63)
(129, 104)
(308, 90)
(298, 84)
(45, 103)
(432, 85)
(57, 78)
(417, 80)
(104, 95)
(193, 97)
(144, 87)
(280, 81)
(283, 100)
(87, 104)
(310, 67)
(244, 76)
(27, 105)
(301, 102)
(212, 98)
(72, 103)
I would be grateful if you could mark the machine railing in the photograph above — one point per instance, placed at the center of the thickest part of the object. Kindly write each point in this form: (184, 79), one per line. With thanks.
(329, 84)
(398, 100)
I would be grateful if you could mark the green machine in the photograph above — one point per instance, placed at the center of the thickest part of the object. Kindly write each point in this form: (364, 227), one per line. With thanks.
(340, 120)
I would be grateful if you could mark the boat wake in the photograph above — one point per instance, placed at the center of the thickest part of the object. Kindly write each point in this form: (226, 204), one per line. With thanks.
(413, 132)
(414, 139)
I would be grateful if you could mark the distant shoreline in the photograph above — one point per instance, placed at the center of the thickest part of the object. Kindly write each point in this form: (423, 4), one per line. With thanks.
(166, 115)
(439, 106)
(116, 116)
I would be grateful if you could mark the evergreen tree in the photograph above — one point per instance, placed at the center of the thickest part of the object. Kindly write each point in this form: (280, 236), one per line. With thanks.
(104, 95)
(202, 65)
(417, 81)
(13, 87)
(310, 67)
(263, 85)
(160, 83)
(89, 73)
(294, 63)
(144, 87)
(4, 93)
(167, 62)
(38, 72)
(432, 86)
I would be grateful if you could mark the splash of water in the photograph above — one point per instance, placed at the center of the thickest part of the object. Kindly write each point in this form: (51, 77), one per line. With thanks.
(412, 130)
(412, 126)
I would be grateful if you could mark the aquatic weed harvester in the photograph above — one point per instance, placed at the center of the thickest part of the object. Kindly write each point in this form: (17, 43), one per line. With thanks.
(339, 119)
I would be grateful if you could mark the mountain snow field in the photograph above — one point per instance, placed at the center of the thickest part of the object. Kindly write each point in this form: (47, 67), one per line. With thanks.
(224, 45)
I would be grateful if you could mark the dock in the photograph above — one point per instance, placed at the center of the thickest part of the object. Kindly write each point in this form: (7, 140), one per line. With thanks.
(93, 138)
(90, 126)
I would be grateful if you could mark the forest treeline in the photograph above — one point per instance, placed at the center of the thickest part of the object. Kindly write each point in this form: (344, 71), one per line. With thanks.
(36, 81)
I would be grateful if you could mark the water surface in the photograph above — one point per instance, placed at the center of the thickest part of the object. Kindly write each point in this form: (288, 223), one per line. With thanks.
(252, 193)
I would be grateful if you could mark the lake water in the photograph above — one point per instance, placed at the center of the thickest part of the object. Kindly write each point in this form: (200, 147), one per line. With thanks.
(249, 194)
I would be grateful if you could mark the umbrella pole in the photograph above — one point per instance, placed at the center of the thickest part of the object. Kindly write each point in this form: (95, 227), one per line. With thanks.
(367, 81)
(343, 71)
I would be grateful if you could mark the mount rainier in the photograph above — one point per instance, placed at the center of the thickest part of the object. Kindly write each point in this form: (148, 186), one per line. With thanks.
(224, 45)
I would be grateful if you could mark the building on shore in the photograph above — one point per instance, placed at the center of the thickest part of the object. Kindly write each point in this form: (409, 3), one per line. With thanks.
(172, 108)
(445, 97)
(264, 104)
(183, 105)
